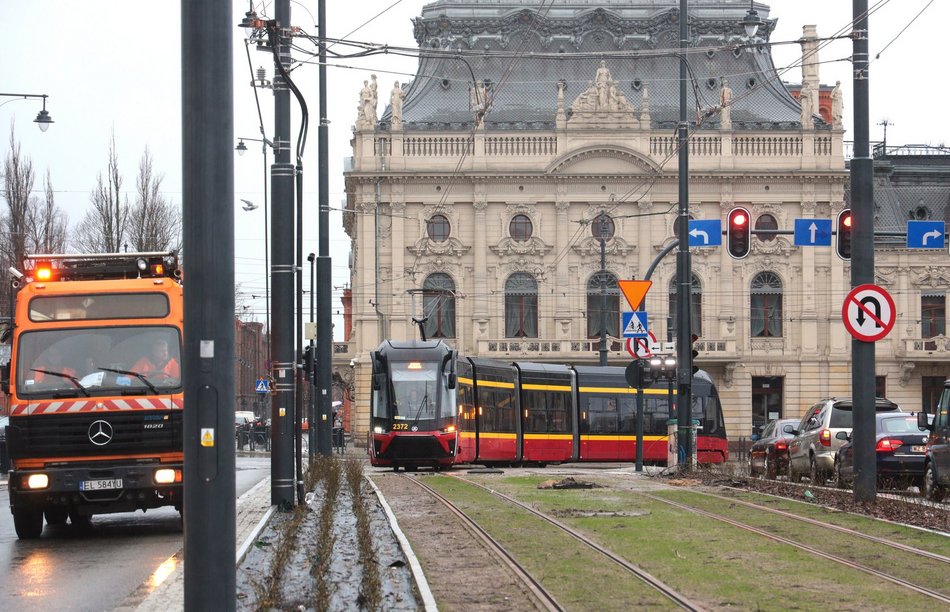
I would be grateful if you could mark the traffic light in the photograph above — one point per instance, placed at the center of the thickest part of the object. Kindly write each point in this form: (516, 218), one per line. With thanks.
(307, 361)
(695, 353)
(843, 246)
(738, 236)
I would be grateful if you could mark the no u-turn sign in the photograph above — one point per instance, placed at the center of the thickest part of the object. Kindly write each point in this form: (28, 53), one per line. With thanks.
(868, 313)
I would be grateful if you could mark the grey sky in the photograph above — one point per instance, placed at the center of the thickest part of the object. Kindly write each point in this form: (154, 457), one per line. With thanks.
(113, 66)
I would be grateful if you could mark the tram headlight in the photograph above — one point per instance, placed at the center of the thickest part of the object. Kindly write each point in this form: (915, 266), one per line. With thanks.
(378, 430)
(449, 429)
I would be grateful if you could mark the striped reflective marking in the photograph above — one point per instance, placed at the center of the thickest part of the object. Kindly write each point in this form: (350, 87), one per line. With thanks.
(624, 390)
(97, 405)
(467, 381)
(492, 383)
(531, 387)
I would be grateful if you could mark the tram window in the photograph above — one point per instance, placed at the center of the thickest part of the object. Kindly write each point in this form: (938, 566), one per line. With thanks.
(658, 410)
(498, 412)
(603, 415)
(628, 414)
(535, 412)
(559, 420)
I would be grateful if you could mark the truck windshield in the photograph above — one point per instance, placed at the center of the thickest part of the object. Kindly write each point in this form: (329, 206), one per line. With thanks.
(104, 361)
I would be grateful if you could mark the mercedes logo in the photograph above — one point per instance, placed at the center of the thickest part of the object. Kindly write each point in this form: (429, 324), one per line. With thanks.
(100, 433)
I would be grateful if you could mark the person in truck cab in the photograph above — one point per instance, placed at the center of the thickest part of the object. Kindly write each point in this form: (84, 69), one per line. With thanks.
(158, 364)
(51, 362)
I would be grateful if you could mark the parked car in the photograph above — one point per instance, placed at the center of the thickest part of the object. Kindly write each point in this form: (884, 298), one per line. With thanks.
(900, 445)
(936, 482)
(769, 454)
(812, 450)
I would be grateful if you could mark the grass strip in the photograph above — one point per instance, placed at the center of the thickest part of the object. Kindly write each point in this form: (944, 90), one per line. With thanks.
(371, 597)
(709, 561)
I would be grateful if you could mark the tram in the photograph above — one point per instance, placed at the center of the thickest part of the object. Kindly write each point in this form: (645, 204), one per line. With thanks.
(432, 406)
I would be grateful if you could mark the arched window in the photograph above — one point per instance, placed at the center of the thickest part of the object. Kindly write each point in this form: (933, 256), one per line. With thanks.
(602, 227)
(766, 298)
(597, 314)
(766, 222)
(521, 306)
(438, 228)
(520, 228)
(695, 306)
(438, 305)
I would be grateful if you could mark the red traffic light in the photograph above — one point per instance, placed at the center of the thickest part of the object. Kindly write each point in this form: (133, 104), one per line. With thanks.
(738, 236)
(843, 245)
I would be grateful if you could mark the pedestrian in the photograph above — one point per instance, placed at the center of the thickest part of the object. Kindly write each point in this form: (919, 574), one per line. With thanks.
(339, 441)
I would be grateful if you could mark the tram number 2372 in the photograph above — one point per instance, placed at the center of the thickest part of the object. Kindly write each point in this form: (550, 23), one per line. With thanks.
(400, 426)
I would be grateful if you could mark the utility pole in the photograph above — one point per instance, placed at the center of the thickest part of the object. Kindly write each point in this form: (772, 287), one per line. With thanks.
(684, 275)
(324, 271)
(207, 104)
(602, 220)
(282, 274)
(862, 265)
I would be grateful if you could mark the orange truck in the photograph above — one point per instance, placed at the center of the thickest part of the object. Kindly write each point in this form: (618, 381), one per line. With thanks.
(94, 387)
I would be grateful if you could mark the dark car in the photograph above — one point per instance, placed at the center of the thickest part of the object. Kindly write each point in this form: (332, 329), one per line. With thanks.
(769, 453)
(900, 445)
(937, 472)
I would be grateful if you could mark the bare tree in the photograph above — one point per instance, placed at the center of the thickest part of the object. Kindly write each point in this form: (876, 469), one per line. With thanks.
(154, 223)
(105, 226)
(46, 224)
(17, 186)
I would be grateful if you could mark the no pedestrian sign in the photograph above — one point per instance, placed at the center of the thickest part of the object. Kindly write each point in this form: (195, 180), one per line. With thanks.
(868, 313)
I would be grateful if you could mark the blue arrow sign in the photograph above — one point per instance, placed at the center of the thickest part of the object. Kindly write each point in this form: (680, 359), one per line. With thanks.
(812, 232)
(263, 386)
(925, 234)
(635, 324)
(704, 233)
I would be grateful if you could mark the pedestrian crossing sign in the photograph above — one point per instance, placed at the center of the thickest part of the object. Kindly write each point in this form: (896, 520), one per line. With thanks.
(263, 386)
(635, 324)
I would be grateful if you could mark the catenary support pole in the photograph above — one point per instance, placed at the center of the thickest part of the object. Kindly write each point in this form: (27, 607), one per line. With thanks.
(208, 239)
(282, 277)
(324, 270)
(684, 276)
(862, 265)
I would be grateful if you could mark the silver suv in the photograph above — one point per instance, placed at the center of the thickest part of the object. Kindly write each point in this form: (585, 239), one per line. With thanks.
(812, 450)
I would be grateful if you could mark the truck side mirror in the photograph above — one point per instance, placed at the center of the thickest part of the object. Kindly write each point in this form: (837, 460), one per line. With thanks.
(5, 378)
(452, 380)
(924, 421)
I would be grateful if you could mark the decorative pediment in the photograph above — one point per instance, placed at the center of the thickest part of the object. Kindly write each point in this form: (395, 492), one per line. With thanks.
(616, 246)
(931, 277)
(427, 246)
(602, 160)
(532, 246)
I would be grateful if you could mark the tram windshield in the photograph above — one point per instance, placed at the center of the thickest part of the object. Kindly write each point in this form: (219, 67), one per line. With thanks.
(415, 390)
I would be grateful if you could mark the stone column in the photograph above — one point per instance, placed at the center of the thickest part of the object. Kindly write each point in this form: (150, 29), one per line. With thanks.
(480, 289)
(562, 313)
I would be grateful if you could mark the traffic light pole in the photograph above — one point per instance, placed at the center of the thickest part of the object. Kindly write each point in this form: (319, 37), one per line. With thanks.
(862, 264)
(684, 276)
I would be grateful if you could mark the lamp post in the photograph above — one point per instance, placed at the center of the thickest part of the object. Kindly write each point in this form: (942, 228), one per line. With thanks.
(602, 231)
(241, 148)
(43, 119)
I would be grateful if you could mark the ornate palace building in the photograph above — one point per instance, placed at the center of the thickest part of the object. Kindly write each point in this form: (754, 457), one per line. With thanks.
(532, 140)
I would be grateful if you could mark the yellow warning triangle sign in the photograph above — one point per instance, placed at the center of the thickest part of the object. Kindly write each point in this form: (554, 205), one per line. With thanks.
(207, 437)
(634, 291)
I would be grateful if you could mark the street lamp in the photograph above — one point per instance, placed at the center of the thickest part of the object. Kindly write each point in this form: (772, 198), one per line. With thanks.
(241, 148)
(43, 119)
(751, 22)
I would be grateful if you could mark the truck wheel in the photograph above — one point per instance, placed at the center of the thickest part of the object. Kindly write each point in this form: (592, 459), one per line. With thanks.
(56, 516)
(80, 521)
(28, 523)
(931, 490)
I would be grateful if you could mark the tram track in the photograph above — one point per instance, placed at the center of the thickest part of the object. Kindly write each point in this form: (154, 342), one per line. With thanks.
(542, 597)
(831, 526)
(652, 581)
(808, 549)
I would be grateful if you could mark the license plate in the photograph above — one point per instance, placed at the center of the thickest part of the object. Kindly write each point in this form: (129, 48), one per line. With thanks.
(100, 485)
(918, 449)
